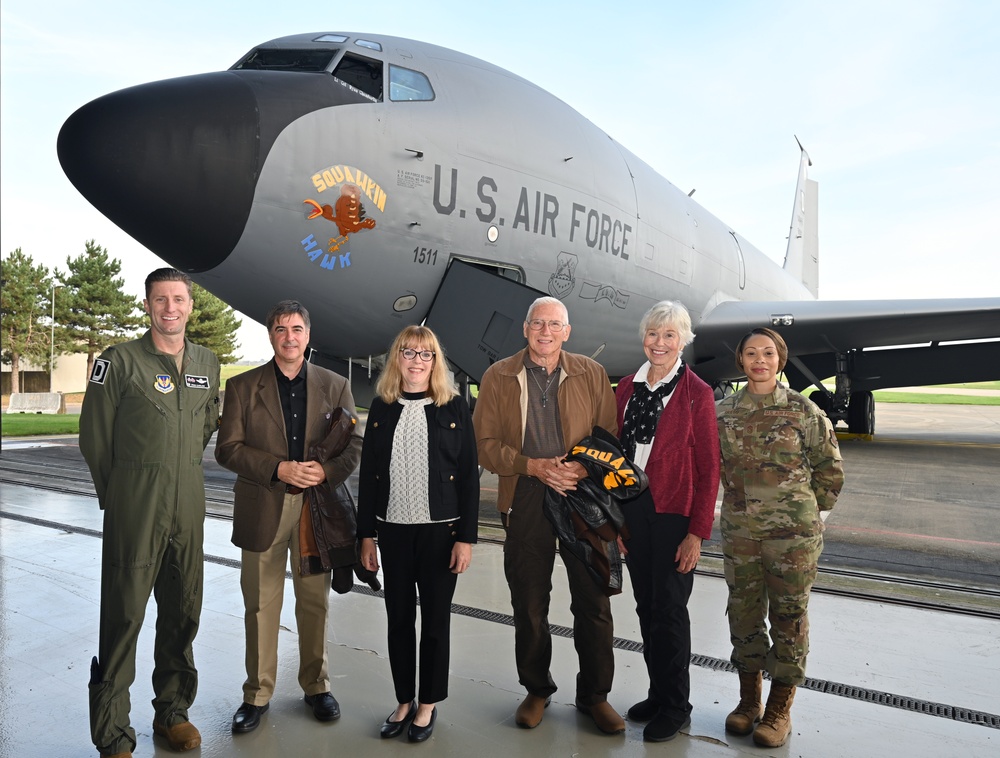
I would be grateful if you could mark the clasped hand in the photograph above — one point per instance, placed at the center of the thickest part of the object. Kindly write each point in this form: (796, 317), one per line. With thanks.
(307, 474)
(557, 473)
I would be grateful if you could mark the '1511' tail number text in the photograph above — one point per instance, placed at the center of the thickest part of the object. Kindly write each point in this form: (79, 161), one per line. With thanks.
(425, 255)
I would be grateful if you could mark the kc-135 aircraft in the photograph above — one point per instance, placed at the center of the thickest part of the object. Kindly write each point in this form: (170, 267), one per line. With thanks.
(384, 181)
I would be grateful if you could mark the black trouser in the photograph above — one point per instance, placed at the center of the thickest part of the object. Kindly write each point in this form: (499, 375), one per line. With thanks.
(661, 596)
(415, 559)
(529, 556)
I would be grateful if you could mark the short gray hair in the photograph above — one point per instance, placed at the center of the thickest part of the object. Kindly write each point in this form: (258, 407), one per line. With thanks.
(668, 313)
(546, 301)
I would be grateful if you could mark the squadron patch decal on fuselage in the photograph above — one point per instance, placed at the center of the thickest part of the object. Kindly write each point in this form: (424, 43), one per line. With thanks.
(348, 212)
(562, 282)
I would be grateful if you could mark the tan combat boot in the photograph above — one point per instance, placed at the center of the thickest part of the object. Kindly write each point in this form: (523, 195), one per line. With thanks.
(749, 711)
(776, 725)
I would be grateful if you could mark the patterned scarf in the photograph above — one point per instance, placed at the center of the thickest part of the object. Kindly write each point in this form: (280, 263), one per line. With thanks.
(643, 412)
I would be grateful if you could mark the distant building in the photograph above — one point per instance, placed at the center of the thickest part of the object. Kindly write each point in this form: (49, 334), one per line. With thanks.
(70, 375)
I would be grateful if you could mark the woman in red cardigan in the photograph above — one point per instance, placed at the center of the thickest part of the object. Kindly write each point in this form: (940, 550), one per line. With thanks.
(667, 418)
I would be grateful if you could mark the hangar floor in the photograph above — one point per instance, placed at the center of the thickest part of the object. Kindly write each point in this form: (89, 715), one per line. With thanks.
(885, 679)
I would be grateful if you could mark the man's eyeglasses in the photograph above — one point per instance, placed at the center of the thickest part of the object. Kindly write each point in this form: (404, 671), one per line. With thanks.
(536, 325)
(409, 353)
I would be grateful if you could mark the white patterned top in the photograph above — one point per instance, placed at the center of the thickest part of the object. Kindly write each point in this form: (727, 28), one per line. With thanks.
(409, 501)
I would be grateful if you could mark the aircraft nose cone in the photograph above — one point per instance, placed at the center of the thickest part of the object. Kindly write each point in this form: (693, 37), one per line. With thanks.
(173, 163)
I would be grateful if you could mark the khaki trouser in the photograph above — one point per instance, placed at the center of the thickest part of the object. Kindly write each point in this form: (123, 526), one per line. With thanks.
(262, 580)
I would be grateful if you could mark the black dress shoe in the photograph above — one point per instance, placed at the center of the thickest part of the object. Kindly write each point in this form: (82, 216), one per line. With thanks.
(664, 728)
(325, 706)
(420, 733)
(644, 710)
(392, 729)
(247, 717)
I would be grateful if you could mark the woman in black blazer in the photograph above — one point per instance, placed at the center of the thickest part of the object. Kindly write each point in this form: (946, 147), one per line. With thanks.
(419, 494)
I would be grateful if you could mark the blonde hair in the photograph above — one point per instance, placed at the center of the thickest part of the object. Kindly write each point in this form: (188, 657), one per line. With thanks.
(389, 386)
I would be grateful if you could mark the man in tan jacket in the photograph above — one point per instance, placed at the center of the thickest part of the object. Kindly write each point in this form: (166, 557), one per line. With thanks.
(532, 408)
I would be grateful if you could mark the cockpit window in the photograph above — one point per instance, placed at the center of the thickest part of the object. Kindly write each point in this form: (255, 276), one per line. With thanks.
(362, 74)
(288, 60)
(406, 84)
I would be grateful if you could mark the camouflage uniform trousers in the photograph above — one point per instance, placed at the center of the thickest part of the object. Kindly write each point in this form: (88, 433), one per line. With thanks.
(772, 578)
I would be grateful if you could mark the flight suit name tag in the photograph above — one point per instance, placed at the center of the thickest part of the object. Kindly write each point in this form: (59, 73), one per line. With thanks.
(164, 383)
(196, 382)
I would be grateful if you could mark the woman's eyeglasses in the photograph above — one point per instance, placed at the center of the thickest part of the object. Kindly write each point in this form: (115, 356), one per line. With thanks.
(409, 353)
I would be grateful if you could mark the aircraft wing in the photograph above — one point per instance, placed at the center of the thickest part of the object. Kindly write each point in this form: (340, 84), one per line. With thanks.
(890, 343)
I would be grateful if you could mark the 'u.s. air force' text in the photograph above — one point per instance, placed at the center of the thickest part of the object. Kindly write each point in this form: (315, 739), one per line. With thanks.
(538, 213)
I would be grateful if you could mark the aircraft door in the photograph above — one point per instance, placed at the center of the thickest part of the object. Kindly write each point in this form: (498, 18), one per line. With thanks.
(478, 316)
(740, 261)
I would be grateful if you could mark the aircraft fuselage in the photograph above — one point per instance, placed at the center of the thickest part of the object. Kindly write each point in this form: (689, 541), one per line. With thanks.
(353, 197)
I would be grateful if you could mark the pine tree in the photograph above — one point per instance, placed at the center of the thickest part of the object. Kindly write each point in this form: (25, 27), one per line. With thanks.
(213, 324)
(24, 311)
(92, 311)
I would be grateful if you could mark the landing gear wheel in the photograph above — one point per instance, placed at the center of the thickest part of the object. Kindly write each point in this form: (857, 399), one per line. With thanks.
(861, 413)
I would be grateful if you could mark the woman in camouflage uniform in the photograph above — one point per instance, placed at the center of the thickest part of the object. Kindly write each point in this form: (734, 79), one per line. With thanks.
(781, 468)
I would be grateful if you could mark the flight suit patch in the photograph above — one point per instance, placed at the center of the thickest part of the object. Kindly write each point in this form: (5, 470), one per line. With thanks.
(164, 383)
(196, 382)
(102, 368)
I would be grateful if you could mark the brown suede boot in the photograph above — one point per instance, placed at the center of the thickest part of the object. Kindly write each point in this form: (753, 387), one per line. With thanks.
(530, 711)
(607, 718)
(750, 709)
(181, 736)
(776, 724)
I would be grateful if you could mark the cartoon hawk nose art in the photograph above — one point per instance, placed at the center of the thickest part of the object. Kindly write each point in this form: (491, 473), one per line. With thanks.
(349, 215)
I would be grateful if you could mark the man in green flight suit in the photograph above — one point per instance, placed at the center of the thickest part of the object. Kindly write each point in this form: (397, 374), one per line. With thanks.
(151, 406)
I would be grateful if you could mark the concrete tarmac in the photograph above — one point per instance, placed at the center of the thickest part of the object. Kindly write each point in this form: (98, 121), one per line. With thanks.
(886, 680)
(924, 496)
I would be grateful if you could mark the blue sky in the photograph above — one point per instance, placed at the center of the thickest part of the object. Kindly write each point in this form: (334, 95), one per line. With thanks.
(897, 103)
